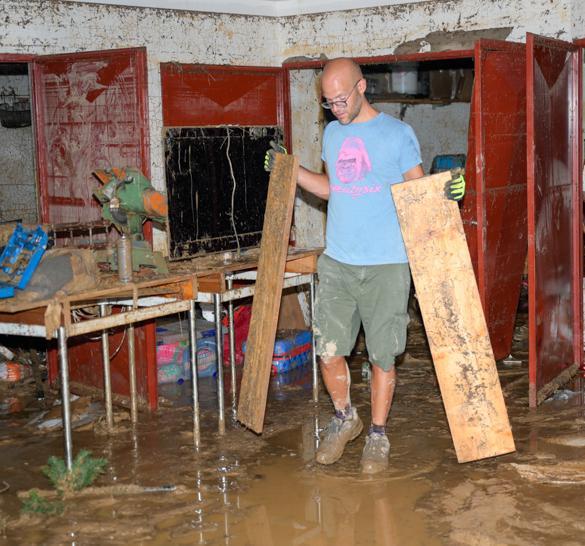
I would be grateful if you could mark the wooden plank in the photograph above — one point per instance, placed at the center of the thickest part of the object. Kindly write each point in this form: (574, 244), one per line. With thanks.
(290, 316)
(454, 321)
(308, 264)
(266, 303)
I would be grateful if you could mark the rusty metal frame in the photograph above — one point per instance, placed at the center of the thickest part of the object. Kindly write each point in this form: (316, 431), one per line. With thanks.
(536, 396)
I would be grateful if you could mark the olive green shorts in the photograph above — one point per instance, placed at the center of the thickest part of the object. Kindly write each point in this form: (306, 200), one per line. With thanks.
(375, 295)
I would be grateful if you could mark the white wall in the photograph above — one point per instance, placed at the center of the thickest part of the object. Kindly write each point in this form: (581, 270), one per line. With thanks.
(18, 199)
(439, 129)
(378, 31)
(307, 128)
(55, 26)
(181, 36)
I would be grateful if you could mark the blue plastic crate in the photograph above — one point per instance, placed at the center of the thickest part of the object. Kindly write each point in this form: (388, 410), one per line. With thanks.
(20, 258)
(447, 162)
(292, 349)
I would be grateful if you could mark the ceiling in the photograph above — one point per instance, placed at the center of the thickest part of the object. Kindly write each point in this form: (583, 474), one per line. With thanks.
(271, 8)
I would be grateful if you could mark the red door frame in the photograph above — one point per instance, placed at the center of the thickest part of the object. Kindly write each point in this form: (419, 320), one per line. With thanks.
(141, 72)
(577, 247)
(478, 233)
(499, 241)
(147, 328)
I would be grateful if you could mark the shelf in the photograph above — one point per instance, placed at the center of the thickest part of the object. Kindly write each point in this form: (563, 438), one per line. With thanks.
(409, 99)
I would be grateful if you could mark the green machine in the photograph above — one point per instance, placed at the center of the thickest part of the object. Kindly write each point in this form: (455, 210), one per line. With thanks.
(128, 199)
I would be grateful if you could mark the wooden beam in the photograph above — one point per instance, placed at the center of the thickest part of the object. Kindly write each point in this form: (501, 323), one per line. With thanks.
(266, 303)
(453, 317)
(307, 264)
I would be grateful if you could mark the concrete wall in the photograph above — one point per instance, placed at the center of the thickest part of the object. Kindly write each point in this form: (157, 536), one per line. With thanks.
(439, 129)
(307, 128)
(54, 26)
(434, 25)
(18, 198)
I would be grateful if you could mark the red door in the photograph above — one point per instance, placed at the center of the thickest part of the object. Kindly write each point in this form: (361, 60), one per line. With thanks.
(494, 208)
(91, 113)
(554, 214)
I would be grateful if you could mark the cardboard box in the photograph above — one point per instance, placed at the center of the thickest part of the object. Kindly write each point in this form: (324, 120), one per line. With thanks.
(442, 84)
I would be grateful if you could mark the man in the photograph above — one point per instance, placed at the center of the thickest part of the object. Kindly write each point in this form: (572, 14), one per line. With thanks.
(363, 273)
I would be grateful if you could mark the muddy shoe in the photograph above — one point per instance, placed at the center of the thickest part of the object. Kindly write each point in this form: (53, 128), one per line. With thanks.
(375, 455)
(336, 435)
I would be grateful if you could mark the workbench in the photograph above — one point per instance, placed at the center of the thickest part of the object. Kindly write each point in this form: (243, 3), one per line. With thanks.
(211, 279)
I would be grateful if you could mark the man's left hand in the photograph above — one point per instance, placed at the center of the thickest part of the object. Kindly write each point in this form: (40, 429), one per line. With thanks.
(455, 188)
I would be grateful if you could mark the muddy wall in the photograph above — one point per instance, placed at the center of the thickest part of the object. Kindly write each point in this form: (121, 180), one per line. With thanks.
(17, 174)
(434, 25)
(55, 26)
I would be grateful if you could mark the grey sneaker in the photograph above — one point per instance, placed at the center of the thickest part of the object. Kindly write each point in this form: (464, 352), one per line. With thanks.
(336, 435)
(375, 454)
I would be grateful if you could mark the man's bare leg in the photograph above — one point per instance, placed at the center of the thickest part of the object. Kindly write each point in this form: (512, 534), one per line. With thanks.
(377, 448)
(346, 425)
(335, 373)
(382, 393)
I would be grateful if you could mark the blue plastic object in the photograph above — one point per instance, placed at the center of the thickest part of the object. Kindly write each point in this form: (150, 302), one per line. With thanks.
(20, 258)
(292, 349)
(447, 162)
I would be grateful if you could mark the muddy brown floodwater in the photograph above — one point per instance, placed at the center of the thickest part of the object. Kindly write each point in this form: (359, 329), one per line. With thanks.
(243, 489)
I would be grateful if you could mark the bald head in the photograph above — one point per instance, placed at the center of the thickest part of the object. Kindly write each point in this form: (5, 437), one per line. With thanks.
(343, 87)
(342, 70)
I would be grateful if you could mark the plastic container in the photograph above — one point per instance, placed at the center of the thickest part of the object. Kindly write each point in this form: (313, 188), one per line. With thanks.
(405, 78)
(292, 349)
(206, 357)
(20, 258)
(173, 351)
(446, 162)
(13, 371)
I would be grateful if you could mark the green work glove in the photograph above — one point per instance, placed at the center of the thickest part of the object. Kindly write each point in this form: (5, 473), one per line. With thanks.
(455, 188)
(275, 148)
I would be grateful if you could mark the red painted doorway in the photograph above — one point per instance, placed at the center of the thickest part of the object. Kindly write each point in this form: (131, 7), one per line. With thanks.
(91, 112)
(554, 214)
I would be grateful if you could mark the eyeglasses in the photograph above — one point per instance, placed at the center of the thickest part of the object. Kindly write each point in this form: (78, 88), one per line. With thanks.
(341, 103)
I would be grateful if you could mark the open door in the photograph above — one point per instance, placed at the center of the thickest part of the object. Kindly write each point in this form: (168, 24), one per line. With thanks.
(554, 214)
(494, 208)
(91, 113)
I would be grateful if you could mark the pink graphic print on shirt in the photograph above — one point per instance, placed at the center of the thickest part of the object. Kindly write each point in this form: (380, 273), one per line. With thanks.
(353, 162)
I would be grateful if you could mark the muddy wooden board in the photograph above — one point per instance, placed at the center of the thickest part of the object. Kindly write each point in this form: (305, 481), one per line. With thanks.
(453, 317)
(266, 303)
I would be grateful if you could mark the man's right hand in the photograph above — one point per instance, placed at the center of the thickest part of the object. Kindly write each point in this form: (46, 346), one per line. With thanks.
(275, 148)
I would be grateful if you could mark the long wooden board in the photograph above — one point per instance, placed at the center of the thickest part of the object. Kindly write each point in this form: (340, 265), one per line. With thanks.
(453, 317)
(266, 303)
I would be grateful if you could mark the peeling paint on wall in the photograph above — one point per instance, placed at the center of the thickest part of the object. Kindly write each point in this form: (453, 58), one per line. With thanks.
(54, 26)
(457, 39)
(380, 31)
(307, 129)
(18, 197)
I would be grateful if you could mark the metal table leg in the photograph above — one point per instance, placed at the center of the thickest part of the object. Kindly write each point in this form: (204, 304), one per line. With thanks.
(312, 313)
(132, 374)
(64, 369)
(107, 376)
(193, 341)
(219, 352)
(230, 285)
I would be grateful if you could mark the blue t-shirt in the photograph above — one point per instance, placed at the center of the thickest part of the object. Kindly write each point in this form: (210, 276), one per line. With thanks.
(363, 161)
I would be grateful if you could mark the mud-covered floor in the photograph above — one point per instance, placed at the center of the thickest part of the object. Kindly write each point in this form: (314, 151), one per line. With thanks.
(267, 491)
